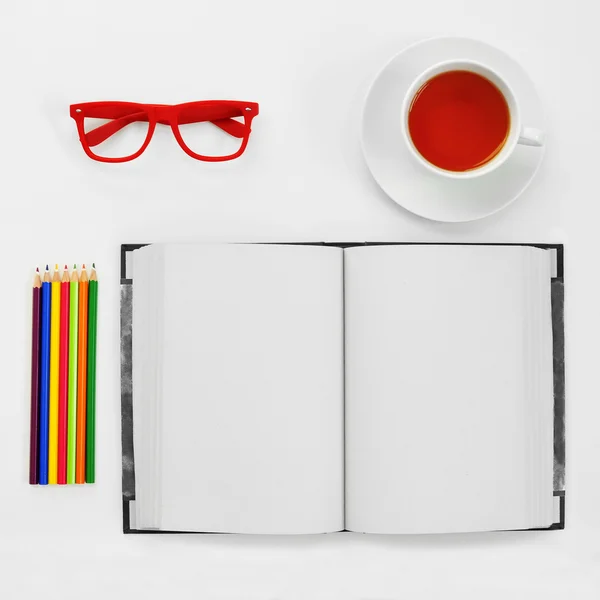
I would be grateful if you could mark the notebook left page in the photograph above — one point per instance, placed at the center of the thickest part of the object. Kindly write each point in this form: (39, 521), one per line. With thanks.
(249, 429)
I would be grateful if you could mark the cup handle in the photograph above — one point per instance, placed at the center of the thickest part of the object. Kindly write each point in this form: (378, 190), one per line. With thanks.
(530, 136)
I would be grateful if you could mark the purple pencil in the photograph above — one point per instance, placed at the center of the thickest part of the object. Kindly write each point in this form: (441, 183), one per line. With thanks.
(35, 379)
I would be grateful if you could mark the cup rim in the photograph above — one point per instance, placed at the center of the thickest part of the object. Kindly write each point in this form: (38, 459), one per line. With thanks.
(515, 119)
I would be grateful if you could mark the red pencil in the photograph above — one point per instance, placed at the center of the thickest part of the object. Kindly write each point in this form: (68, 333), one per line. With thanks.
(82, 377)
(63, 378)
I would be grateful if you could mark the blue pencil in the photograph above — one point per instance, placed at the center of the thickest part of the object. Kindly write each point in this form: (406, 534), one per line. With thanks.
(45, 378)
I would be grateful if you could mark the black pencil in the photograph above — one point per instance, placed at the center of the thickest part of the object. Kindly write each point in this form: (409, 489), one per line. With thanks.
(35, 380)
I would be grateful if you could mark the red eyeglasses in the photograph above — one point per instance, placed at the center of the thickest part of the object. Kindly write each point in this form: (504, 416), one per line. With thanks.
(210, 130)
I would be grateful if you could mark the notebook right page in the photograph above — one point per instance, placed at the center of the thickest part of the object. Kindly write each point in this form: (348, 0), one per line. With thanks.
(449, 401)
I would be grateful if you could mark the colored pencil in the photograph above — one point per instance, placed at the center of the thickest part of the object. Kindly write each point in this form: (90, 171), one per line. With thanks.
(44, 378)
(81, 377)
(72, 399)
(35, 379)
(63, 378)
(54, 366)
(90, 453)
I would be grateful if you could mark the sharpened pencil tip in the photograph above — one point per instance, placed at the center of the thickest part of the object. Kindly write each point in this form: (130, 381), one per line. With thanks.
(47, 268)
(37, 269)
(93, 265)
(74, 266)
(66, 268)
(83, 267)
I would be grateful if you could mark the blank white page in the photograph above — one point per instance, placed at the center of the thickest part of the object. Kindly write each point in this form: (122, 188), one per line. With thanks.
(251, 430)
(145, 389)
(445, 429)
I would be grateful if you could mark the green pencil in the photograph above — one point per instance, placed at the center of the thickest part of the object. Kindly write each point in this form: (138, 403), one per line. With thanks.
(90, 450)
(72, 401)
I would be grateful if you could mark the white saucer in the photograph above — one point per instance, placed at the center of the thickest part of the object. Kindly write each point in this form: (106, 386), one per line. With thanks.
(409, 183)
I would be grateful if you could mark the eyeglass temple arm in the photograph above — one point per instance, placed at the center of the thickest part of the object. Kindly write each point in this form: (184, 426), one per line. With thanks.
(218, 117)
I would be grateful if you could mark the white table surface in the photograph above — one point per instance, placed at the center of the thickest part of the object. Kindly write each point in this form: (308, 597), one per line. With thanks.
(303, 178)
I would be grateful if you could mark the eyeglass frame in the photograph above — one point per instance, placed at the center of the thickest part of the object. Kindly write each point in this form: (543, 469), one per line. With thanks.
(168, 114)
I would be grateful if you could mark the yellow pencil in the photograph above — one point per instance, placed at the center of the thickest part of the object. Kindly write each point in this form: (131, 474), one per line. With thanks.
(54, 372)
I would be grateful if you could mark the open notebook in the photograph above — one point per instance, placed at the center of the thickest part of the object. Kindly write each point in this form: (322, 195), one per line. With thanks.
(295, 389)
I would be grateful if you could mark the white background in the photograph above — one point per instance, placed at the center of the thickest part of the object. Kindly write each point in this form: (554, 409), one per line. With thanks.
(308, 64)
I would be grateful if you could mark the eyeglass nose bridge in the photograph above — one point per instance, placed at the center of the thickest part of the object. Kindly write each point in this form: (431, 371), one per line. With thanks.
(163, 113)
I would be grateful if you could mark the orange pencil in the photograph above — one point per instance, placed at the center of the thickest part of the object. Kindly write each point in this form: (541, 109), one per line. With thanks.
(81, 377)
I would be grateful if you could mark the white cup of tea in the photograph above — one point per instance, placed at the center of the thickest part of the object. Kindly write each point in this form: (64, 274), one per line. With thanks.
(460, 119)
